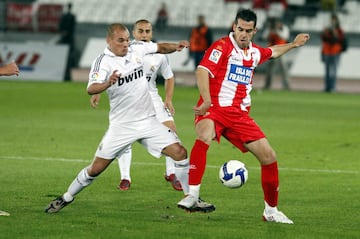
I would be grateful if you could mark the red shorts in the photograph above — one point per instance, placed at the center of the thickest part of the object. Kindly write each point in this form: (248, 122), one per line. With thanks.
(237, 127)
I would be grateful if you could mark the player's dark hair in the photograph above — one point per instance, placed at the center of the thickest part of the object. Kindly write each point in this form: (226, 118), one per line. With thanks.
(142, 21)
(246, 15)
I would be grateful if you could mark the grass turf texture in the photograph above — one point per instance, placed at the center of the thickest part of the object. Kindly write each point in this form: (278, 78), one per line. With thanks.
(48, 132)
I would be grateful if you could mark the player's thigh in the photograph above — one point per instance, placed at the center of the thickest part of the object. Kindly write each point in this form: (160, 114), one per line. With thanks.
(163, 114)
(115, 141)
(262, 150)
(170, 124)
(243, 131)
(157, 137)
(205, 130)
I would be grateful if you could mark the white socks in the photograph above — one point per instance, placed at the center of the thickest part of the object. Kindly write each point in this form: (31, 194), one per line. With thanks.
(269, 209)
(182, 174)
(124, 162)
(80, 182)
(170, 165)
(194, 190)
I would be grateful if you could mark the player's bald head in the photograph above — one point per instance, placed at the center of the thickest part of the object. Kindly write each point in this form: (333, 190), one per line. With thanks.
(142, 21)
(115, 27)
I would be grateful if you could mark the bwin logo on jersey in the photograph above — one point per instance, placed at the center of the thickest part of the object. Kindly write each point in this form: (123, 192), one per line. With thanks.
(240, 74)
(134, 75)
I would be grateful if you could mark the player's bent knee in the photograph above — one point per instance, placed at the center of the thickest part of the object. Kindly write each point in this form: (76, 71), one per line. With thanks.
(176, 152)
(268, 158)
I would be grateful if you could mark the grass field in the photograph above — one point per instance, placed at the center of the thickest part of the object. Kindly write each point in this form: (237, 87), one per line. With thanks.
(49, 132)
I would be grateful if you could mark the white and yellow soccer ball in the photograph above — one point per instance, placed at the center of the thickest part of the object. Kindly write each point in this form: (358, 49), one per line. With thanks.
(233, 174)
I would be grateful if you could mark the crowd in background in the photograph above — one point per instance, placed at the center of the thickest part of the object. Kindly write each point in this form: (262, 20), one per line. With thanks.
(201, 36)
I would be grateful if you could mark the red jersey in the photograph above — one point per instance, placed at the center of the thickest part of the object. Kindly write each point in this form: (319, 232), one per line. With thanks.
(231, 72)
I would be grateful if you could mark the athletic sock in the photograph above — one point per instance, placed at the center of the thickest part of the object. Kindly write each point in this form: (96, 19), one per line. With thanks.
(269, 209)
(80, 182)
(197, 162)
(194, 190)
(182, 174)
(124, 162)
(270, 183)
(170, 166)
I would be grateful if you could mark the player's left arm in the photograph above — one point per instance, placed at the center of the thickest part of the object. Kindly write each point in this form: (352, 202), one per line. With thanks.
(169, 92)
(94, 100)
(279, 50)
(166, 47)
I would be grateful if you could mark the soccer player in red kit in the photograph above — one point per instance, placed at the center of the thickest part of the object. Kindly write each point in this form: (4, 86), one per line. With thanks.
(224, 78)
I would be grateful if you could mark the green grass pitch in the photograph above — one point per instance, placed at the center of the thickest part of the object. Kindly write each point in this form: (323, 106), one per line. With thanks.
(49, 132)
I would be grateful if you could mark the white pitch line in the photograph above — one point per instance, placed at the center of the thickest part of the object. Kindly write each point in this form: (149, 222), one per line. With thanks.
(309, 170)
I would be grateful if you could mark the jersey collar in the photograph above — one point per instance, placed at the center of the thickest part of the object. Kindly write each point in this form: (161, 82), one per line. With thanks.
(236, 46)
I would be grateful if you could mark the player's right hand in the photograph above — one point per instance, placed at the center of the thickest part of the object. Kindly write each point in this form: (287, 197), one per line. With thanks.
(202, 109)
(113, 78)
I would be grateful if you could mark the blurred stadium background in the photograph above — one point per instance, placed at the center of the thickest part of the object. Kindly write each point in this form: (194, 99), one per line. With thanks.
(28, 34)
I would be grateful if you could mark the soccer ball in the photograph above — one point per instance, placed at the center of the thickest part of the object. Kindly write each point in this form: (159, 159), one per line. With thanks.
(233, 174)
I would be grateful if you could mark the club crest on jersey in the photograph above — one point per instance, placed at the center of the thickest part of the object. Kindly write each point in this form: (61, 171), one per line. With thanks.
(215, 56)
(240, 74)
(138, 60)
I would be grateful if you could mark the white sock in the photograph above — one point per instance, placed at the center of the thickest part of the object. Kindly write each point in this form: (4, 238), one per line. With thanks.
(269, 209)
(182, 174)
(124, 162)
(81, 181)
(170, 166)
(194, 190)
(68, 197)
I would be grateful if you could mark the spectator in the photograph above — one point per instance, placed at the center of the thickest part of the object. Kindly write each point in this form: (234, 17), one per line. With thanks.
(277, 33)
(200, 39)
(162, 18)
(328, 5)
(67, 36)
(332, 39)
(266, 4)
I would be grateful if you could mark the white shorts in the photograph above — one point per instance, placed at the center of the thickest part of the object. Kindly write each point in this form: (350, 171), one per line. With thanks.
(162, 114)
(152, 134)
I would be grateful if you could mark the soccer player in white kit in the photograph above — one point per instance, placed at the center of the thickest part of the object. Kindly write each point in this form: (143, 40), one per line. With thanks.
(119, 71)
(153, 63)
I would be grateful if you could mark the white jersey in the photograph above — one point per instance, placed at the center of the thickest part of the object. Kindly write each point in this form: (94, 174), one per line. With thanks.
(154, 64)
(129, 98)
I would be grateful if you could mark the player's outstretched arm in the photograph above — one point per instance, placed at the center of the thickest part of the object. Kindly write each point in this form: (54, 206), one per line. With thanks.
(9, 69)
(299, 40)
(165, 47)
